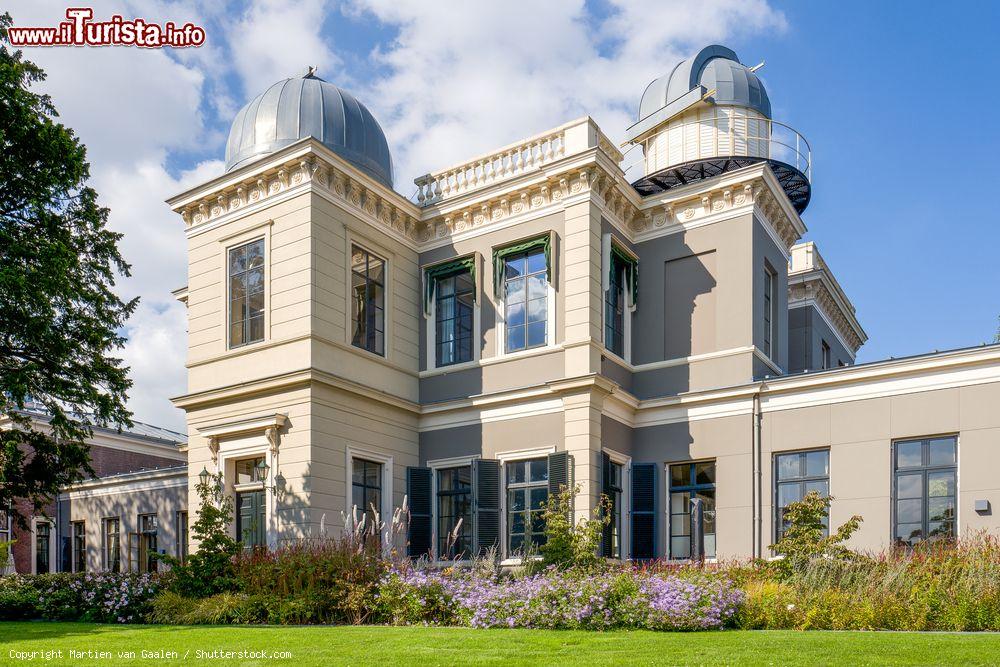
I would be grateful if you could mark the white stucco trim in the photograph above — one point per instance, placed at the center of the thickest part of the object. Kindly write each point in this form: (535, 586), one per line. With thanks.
(143, 482)
(243, 426)
(521, 454)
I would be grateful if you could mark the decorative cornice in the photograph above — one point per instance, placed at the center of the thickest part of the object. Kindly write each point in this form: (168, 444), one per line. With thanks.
(692, 206)
(312, 168)
(550, 193)
(813, 288)
(810, 281)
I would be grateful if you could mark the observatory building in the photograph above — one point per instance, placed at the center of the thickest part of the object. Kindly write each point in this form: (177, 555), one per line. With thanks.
(536, 317)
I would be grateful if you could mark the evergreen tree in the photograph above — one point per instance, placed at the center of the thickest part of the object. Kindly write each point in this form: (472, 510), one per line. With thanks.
(59, 316)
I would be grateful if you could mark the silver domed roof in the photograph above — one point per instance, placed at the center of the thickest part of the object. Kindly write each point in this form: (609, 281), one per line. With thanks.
(305, 106)
(714, 67)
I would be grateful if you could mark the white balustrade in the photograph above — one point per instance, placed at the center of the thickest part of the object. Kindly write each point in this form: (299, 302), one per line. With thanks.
(510, 161)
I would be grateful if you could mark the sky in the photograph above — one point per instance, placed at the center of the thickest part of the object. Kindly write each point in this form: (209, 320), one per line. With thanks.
(897, 101)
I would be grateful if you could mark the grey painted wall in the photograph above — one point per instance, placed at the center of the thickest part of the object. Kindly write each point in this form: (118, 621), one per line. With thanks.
(765, 251)
(807, 331)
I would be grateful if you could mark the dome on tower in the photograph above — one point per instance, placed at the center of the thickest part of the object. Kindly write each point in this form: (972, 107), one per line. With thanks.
(715, 68)
(306, 106)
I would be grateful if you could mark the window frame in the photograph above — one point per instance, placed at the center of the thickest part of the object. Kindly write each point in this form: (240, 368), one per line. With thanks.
(183, 530)
(802, 480)
(150, 564)
(467, 526)
(625, 511)
(825, 354)
(353, 244)
(78, 546)
(769, 310)
(50, 546)
(6, 535)
(691, 488)
(105, 554)
(526, 486)
(263, 240)
(432, 323)
(924, 469)
(628, 306)
(442, 464)
(386, 460)
(550, 313)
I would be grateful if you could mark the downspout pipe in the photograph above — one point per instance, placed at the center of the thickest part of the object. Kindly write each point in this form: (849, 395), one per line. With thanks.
(756, 486)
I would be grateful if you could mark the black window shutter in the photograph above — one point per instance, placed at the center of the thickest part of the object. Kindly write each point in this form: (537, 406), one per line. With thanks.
(560, 472)
(418, 490)
(606, 492)
(643, 511)
(486, 504)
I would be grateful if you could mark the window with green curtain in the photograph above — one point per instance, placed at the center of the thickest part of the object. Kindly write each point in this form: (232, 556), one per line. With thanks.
(500, 254)
(628, 265)
(433, 273)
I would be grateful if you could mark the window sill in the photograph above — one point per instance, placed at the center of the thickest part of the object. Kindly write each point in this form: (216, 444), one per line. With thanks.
(248, 486)
(516, 562)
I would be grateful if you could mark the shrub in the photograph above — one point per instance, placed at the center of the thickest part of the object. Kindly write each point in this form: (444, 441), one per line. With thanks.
(209, 570)
(803, 540)
(333, 579)
(569, 543)
(97, 597)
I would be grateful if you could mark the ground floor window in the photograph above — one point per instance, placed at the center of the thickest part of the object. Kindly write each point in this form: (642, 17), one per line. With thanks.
(454, 512)
(182, 536)
(796, 474)
(614, 493)
(925, 490)
(43, 546)
(366, 488)
(112, 544)
(79, 536)
(147, 543)
(687, 482)
(527, 492)
(5, 538)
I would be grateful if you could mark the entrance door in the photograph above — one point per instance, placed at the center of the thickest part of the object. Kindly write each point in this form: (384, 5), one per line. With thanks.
(250, 525)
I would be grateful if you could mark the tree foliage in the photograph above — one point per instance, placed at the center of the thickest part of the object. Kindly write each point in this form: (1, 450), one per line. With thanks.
(59, 316)
(804, 539)
(210, 569)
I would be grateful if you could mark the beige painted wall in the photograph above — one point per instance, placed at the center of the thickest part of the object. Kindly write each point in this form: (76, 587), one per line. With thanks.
(860, 434)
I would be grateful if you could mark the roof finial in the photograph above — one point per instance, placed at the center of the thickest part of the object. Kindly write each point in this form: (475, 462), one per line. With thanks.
(310, 71)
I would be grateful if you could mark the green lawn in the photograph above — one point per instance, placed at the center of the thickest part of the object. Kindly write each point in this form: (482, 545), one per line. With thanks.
(387, 647)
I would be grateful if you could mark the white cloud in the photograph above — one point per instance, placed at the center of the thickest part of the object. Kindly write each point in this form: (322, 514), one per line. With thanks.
(484, 74)
(156, 354)
(275, 40)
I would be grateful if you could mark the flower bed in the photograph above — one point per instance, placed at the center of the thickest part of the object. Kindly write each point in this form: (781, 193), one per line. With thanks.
(555, 599)
(97, 597)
